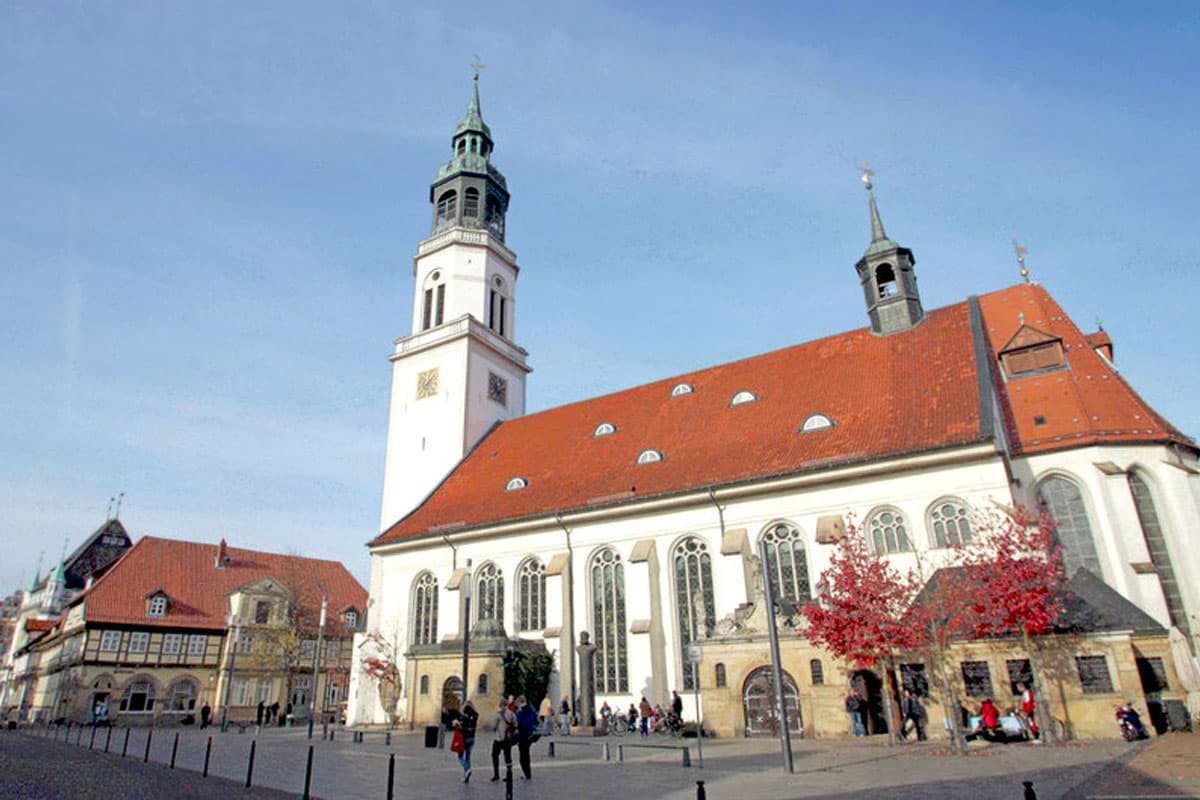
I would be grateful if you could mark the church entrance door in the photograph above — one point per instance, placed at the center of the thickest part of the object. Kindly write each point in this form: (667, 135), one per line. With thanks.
(758, 702)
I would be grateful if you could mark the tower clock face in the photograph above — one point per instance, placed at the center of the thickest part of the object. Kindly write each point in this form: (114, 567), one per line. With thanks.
(427, 383)
(497, 389)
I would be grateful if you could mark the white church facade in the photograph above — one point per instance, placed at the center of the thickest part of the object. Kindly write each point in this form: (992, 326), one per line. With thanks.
(636, 517)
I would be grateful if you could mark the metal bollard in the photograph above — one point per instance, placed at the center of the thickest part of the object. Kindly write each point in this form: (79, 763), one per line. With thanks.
(250, 765)
(324, 731)
(125, 747)
(508, 781)
(687, 757)
(551, 753)
(108, 738)
(311, 721)
(207, 753)
(92, 741)
(387, 739)
(308, 774)
(700, 793)
(174, 750)
(391, 775)
(620, 752)
(149, 738)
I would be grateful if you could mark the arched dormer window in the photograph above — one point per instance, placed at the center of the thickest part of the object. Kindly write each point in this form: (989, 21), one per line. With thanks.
(887, 531)
(949, 522)
(516, 484)
(743, 397)
(885, 279)
(447, 208)
(681, 389)
(650, 456)
(816, 422)
(605, 429)
(433, 310)
(471, 203)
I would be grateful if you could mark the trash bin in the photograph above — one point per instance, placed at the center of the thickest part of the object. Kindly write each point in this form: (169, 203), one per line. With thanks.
(433, 734)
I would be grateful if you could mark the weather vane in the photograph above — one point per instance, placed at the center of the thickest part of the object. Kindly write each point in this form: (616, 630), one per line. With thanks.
(477, 65)
(1021, 251)
(867, 174)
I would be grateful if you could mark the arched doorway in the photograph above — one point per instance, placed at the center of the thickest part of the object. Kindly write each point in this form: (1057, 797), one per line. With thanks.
(758, 703)
(452, 693)
(870, 687)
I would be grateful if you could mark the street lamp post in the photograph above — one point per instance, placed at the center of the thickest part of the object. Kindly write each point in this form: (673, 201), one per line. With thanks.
(312, 702)
(466, 629)
(231, 621)
(785, 741)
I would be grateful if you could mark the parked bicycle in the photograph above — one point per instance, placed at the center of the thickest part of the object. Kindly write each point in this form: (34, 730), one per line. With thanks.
(615, 725)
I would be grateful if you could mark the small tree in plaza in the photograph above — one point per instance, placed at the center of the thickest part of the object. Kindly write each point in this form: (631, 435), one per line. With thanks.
(384, 668)
(862, 613)
(1016, 571)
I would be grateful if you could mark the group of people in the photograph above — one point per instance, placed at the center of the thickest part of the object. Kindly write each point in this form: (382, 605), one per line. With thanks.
(268, 714)
(647, 719)
(515, 723)
(913, 716)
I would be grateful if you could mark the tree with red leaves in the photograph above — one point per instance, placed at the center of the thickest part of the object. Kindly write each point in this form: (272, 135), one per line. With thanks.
(861, 612)
(384, 668)
(1015, 564)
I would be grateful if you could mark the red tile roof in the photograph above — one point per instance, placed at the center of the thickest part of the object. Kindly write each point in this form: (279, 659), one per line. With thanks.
(35, 625)
(197, 589)
(888, 396)
(1089, 403)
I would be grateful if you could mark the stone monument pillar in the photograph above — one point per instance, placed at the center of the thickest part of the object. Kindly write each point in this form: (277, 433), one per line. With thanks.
(587, 680)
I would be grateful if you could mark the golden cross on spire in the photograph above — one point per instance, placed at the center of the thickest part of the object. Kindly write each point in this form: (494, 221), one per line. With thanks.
(476, 65)
(867, 174)
(1021, 251)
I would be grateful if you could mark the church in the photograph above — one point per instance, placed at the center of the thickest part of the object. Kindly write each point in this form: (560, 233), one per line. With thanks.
(632, 522)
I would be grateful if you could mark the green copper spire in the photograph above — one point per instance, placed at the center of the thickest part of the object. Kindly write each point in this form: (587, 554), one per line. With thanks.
(473, 121)
(59, 575)
(37, 578)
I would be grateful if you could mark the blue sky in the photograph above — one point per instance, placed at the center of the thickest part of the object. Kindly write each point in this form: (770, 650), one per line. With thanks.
(209, 213)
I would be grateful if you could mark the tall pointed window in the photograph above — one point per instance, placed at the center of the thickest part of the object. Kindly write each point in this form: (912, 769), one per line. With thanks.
(694, 605)
(1156, 543)
(433, 308)
(888, 531)
(948, 520)
(531, 596)
(608, 621)
(497, 306)
(425, 609)
(787, 565)
(489, 593)
(1061, 498)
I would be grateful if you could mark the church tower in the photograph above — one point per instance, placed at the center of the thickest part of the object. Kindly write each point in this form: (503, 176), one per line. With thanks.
(888, 281)
(460, 371)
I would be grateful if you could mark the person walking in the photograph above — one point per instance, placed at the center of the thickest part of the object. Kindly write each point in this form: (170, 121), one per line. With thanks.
(912, 711)
(260, 713)
(466, 724)
(545, 715)
(1029, 708)
(205, 715)
(564, 711)
(854, 707)
(646, 711)
(677, 706)
(526, 728)
(505, 723)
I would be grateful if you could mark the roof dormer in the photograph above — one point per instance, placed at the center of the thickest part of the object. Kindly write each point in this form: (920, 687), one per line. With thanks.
(157, 604)
(1031, 351)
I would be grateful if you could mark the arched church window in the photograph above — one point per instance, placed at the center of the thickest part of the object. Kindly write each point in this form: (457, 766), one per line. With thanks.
(719, 676)
(787, 565)
(447, 207)
(425, 609)
(471, 203)
(1062, 500)
(950, 523)
(498, 307)
(817, 669)
(489, 593)
(608, 621)
(531, 596)
(887, 531)
(885, 279)
(694, 605)
(1156, 543)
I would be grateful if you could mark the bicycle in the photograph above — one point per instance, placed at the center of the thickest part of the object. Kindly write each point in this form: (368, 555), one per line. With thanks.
(670, 724)
(615, 725)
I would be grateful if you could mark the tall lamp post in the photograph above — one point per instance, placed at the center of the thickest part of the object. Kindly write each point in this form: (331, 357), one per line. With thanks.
(466, 629)
(785, 741)
(312, 701)
(235, 622)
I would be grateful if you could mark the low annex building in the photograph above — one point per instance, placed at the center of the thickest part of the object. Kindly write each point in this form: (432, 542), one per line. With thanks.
(636, 517)
(173, 626)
